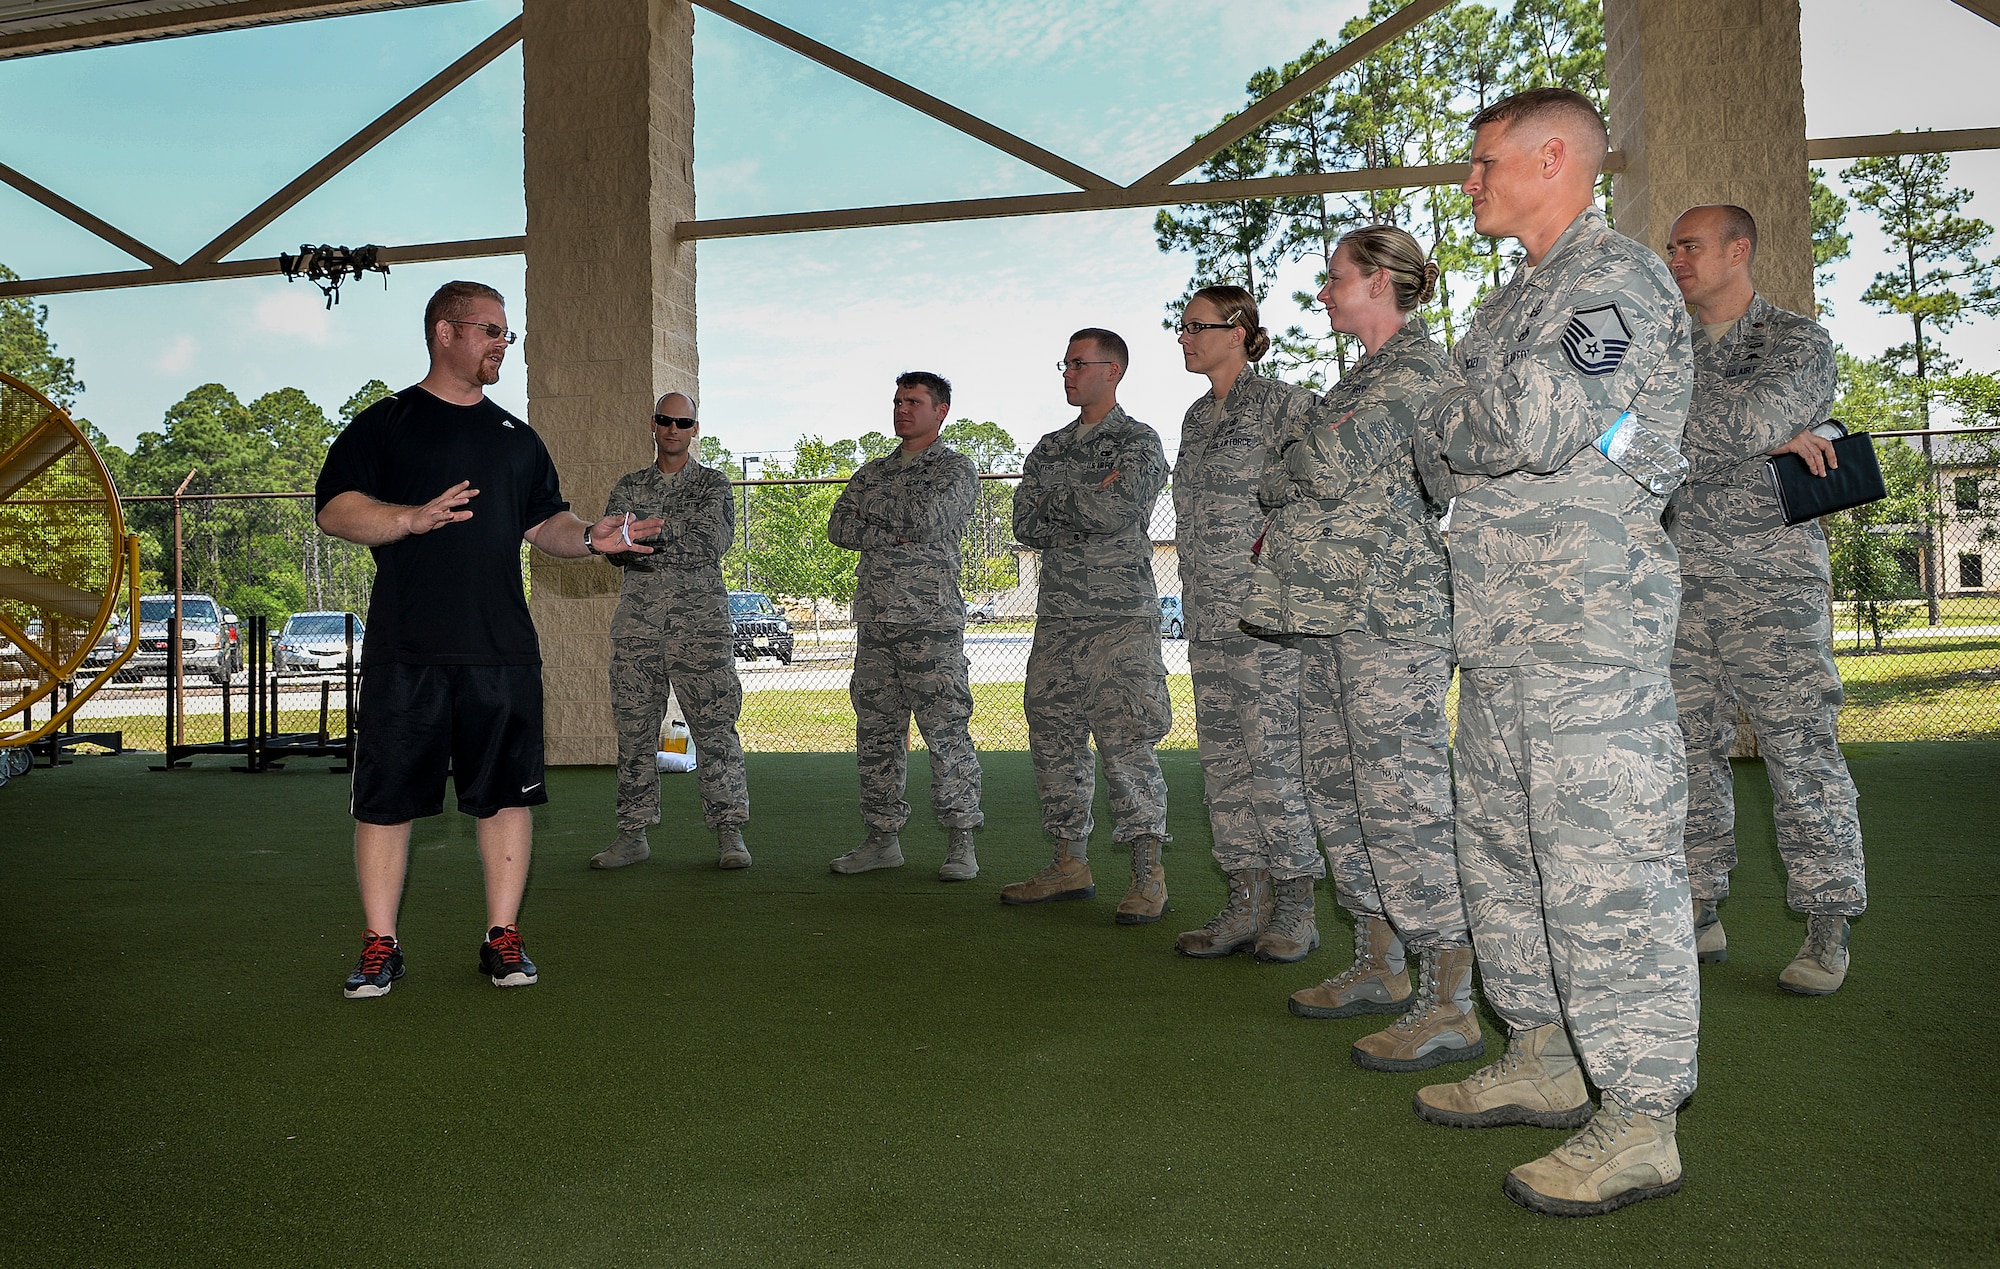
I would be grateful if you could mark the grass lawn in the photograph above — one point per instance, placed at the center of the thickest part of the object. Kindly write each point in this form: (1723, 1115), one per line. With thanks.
(1965, 610)
(783, 1067)
(1952, 694)
(822, 720)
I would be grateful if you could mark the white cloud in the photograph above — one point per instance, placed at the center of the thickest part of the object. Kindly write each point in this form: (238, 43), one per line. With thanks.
(294, 314)
(177, 356)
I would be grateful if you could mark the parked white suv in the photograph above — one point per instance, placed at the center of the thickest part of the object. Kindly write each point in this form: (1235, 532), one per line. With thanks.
(209, 640)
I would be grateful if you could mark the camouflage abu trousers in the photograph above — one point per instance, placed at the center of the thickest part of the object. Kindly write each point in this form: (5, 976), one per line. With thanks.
(1378, 781)
(1246, 723)
(901, 671)
(1571, 792)
(1767, 647)
(1101, 677)
(701, 672)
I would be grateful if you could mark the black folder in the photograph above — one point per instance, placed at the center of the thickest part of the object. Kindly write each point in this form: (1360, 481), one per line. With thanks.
(1804, 496)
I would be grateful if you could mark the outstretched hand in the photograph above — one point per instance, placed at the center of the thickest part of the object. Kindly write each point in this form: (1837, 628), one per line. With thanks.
(623, 533)
(1815, 449)
(447, 508)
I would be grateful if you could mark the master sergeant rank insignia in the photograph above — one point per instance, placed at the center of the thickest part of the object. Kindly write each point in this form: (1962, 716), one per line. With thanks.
(1596, 339)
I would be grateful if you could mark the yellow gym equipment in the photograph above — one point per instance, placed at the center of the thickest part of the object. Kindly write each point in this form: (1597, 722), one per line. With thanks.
(65, 557)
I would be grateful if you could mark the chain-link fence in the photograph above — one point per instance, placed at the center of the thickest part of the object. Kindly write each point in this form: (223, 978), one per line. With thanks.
(791, 599)
(1916, 609)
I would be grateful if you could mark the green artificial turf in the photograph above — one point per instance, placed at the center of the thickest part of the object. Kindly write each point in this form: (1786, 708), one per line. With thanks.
(787, 1067)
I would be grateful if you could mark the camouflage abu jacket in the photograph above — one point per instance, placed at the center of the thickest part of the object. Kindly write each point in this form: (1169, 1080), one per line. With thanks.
(678, 588)
(1352, 545)
(1557, 555)
(1225, 447)
(907, 514)
(1770, 377)
(1097, 552)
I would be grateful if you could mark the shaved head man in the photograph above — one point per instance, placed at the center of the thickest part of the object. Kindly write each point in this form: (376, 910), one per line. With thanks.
(671, 634)
(1569, 776)
(1535, 161)
(1756, 627)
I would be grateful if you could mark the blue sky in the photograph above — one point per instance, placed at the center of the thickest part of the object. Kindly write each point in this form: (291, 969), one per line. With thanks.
(174, 140)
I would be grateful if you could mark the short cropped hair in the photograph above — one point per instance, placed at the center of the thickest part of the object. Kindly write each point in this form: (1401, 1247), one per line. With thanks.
(1736, 222)
(451, 302)
(1550, 106)
(937, 385)
(1108, 342)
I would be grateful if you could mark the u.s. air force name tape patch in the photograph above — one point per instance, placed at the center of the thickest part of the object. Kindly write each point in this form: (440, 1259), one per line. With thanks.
(1596, 339)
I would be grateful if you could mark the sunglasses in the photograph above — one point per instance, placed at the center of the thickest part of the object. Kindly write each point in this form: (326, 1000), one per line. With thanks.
(487, 329)
(668, 420)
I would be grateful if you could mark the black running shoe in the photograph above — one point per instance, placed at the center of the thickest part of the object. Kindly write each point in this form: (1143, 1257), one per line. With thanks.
(381, 965)
(502, 958)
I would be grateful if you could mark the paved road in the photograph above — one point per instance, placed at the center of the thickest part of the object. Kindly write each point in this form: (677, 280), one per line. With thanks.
(996, 658)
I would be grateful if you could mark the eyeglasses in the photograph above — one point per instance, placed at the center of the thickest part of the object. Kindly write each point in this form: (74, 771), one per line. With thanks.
(487, 329)
(670, 420)
(1189, 328)
(1067, 366)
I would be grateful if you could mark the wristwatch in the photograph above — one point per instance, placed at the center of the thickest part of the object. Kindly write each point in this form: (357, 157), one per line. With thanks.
(588, 545)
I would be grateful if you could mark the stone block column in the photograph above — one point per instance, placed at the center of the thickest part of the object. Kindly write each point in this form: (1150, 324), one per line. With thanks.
(1708, 106)
(609, 118)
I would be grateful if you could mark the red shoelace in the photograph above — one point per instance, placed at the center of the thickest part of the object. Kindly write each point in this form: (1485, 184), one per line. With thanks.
(376, 950)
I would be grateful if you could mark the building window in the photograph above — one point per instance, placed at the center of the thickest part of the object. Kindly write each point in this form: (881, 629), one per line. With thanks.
(1965, 494)
(1971, 572)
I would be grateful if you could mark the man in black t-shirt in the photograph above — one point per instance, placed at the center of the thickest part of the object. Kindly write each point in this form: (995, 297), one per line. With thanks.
(452, 672)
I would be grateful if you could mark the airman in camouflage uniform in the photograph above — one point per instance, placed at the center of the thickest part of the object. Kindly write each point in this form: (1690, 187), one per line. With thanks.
(1246, 707)
(1570, 781)
(907, 513)
(1085, 502)
(1756, 627)
(671, 633)
(1354, 567)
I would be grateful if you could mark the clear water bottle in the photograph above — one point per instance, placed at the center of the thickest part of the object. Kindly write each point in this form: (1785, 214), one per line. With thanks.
(1644, 455)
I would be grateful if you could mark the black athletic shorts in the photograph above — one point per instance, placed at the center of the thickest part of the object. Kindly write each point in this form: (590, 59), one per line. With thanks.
(485, 721)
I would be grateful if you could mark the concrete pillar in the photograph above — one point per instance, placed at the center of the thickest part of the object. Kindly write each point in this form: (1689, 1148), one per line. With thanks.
(609, 87)
(1708, 106)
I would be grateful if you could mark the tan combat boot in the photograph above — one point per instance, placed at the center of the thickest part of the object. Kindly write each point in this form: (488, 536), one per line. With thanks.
(1440, 1029)
(1375, 983)
(1711, 945)
(630, 848)
(1538, 1082)
(1235, 927)
(1146, 901)
(960, 863)
(1066, 877)
(1821, 965)
(1620, 1158)
(877, 850)
(1292, 933)
(730, 852)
